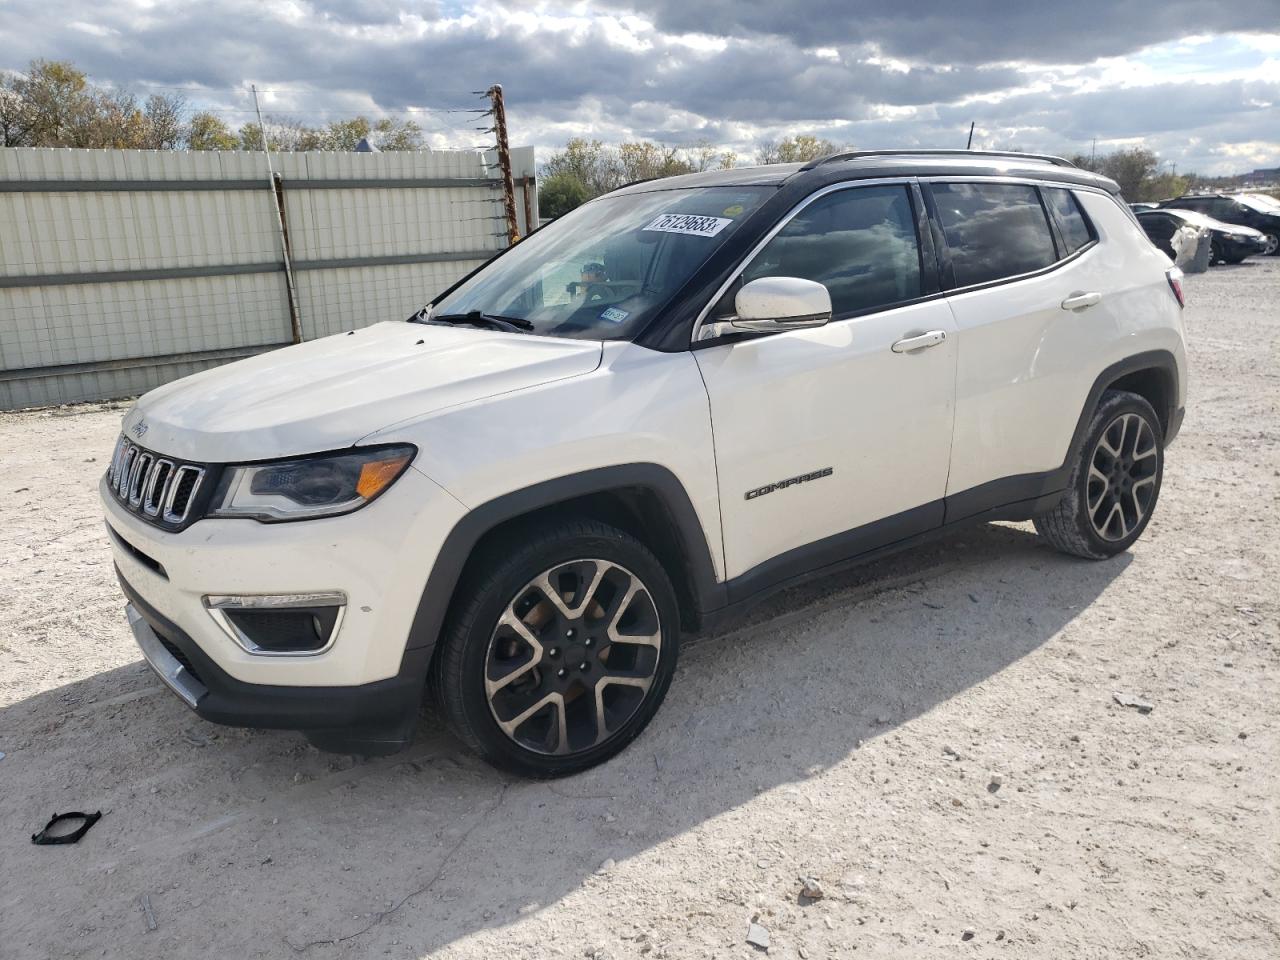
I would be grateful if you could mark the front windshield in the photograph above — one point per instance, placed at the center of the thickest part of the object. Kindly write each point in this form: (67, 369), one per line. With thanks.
(602, 271)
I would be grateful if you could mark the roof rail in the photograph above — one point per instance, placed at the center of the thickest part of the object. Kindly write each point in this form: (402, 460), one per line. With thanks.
(933, 152)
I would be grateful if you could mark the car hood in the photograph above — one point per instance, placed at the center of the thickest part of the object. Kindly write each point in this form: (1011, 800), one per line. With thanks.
(327, 394)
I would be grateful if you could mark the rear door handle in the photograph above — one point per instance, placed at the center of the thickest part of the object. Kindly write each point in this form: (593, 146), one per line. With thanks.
(1080, 301)
(930, 339)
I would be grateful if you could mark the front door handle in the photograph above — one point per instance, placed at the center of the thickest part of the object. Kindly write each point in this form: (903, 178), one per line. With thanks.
(1081, 301)
(930, 339)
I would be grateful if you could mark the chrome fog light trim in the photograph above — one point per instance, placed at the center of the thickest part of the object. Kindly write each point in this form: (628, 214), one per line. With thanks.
(219, 604)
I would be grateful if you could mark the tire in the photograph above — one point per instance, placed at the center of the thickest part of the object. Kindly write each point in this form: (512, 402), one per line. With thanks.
(1110, 495)
(1215, 253)
(558, 650)
(1273, 245)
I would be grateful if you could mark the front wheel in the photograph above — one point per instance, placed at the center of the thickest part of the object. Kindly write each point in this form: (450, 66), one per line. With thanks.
(559, 649)
(1273, 244)
(1114, 484)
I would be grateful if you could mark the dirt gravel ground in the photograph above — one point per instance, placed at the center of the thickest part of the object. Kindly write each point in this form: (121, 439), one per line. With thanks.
(934, 738)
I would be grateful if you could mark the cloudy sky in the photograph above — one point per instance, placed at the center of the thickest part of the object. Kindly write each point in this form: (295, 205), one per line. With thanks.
(1196, 80)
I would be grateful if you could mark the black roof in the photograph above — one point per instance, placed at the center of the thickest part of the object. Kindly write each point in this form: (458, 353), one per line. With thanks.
(868, 164)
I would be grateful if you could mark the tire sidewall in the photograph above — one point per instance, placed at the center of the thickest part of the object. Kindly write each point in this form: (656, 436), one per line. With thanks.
(1114, 405)
(475, 635)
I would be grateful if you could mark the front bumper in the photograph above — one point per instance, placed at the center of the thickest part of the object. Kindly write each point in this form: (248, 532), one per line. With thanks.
(379, 558)
(373, 719)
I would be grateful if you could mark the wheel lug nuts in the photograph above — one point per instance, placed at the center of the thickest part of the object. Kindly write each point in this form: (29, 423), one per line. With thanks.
(584, 666)
(589, 641)
(568, 634)
(562, 673)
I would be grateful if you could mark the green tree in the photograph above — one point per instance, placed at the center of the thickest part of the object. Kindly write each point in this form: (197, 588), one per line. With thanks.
(560, 193)
(344, 135)
(590, 162)
(58, 106)
(1164, 186)
(206, 131)
(397, 134)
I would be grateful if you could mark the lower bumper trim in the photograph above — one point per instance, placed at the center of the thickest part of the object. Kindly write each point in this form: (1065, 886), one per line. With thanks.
(372, 719)
(167, 667)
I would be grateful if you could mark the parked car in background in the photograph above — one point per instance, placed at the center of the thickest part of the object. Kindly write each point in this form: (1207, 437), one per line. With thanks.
(1265, 199)
(1230, 242)
(1244, 209)
(1140, 206)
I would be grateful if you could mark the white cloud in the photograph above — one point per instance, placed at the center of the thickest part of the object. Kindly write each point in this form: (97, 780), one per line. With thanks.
(735, 71)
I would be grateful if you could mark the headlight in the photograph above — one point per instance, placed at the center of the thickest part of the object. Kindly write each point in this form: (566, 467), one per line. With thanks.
(319, 486)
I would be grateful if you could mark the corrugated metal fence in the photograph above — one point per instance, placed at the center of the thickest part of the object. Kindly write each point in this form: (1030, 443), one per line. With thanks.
(124, 269)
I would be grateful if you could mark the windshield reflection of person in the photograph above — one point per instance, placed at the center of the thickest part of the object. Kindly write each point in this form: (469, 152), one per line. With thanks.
(589, 285)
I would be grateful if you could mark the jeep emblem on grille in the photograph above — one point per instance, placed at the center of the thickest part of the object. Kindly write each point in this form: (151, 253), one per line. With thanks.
(139, 428)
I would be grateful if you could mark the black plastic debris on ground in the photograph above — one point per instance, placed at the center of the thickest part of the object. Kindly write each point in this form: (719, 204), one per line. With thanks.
(44, 837)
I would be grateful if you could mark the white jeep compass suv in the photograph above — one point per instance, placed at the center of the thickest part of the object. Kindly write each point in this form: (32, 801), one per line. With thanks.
(678, 397)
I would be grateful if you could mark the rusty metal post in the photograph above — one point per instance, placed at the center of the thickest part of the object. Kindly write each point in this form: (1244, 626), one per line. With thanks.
(504, 161)
(529, 225)
(277, 191)
(295, 321)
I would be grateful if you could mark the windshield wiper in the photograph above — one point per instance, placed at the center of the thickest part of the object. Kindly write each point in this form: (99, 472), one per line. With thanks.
(476, 318)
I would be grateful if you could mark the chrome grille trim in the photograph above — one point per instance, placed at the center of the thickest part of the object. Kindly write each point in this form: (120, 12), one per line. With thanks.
(161, 474)
(138, 477)
(175, 484)
(149, 485)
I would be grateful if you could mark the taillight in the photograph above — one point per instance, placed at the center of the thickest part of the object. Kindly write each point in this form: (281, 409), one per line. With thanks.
(1175, 284)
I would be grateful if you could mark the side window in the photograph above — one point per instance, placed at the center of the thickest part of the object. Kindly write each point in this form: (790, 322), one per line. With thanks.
(993, 230)
(860, 242)
(1071, 222)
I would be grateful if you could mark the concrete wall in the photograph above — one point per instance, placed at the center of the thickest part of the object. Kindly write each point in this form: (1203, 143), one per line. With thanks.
(124, 269)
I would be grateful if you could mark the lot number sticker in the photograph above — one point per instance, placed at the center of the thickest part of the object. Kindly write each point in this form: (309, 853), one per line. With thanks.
(690, 224)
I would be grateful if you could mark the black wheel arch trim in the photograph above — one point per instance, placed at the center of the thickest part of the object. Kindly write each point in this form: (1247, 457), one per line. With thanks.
(1159, 360)
(709, 592)
(1007, 498)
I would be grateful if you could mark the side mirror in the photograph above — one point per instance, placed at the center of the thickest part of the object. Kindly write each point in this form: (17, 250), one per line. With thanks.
(781, 303)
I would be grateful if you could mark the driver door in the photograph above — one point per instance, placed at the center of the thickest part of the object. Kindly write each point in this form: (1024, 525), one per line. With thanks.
(834, 440)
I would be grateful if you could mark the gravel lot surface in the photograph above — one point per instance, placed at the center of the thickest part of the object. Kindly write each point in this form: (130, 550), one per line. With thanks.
(934, 738)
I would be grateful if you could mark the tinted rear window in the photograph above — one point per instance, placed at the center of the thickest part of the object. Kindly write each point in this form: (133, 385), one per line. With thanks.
(1071, 222)
(993, 230)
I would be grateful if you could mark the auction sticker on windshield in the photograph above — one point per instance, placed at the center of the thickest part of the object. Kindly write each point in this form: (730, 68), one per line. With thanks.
(690, 224)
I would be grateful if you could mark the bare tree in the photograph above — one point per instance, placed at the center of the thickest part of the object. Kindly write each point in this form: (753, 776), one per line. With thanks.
(164, 127)
(796, 149)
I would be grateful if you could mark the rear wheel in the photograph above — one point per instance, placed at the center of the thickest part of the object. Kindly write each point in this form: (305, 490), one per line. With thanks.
(1115, 483)
(560, 652)
(1273, 244)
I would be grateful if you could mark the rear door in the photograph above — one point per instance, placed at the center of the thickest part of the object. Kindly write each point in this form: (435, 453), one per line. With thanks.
(1029, 296)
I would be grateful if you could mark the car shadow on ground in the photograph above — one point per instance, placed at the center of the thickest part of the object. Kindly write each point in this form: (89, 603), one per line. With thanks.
(257, 844)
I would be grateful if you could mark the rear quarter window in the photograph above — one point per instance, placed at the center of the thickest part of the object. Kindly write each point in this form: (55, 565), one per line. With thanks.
(1072, 224)
(993, 230)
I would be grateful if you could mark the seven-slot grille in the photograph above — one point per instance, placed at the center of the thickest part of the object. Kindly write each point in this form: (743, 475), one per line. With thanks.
(154, 487)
